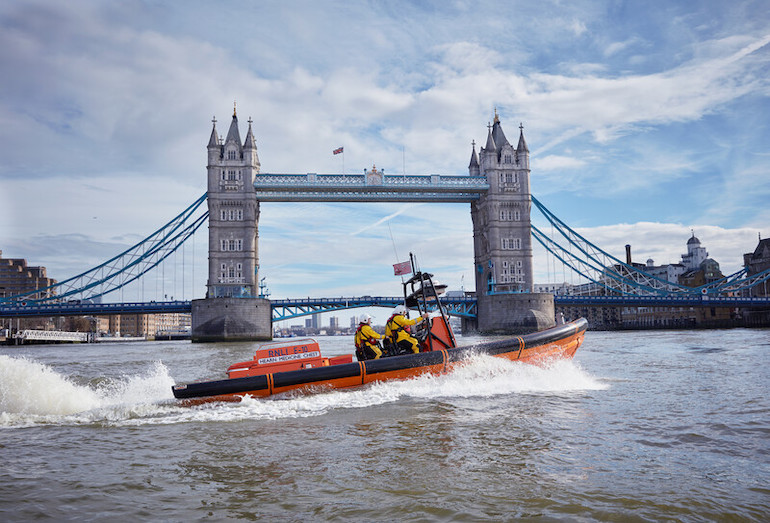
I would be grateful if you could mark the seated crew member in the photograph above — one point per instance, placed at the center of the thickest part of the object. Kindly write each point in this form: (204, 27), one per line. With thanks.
(367, 346)
(397, 329)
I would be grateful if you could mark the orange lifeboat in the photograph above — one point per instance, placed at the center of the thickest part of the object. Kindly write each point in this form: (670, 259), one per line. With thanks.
(297, 364)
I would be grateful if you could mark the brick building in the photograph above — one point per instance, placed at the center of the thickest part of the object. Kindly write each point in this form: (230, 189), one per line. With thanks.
(755, 263)
(16, 277)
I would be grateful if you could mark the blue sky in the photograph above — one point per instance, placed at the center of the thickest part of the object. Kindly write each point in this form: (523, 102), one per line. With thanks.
(645, 120)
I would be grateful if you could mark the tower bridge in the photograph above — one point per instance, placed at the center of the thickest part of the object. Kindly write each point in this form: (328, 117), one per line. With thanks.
(496, 188)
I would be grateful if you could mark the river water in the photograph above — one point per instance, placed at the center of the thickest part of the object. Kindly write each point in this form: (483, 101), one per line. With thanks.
(640, 426)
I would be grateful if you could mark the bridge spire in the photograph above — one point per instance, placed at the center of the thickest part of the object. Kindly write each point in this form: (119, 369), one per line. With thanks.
(233, 140)
(214, 139)
(473, 166)
(497, 133)
(250, 142)
(490, 146)
(522, 147)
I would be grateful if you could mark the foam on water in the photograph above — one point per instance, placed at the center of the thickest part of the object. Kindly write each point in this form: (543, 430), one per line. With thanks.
(32, 393)
(484, 376)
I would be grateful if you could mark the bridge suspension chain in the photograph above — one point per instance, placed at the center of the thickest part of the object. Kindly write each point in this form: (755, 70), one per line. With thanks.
(607, 273)
(126, 267)
(611, 274)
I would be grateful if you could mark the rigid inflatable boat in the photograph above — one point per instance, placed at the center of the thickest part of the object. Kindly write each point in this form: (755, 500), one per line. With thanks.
(298, 364)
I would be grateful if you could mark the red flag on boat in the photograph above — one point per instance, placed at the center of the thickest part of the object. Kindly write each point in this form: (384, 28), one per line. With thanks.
(338, 150)
(402, 268)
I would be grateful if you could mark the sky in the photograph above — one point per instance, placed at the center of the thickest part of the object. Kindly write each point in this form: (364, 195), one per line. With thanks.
(647, 122)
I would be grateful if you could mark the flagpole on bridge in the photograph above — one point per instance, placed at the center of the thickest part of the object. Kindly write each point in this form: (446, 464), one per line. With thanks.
(340, 150)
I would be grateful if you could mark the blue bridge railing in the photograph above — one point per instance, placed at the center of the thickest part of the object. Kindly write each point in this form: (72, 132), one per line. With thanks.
(464, 307)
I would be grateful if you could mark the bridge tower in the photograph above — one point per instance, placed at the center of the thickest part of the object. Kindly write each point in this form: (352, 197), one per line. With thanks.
(502, 239)
(232, 309)
(233, 214)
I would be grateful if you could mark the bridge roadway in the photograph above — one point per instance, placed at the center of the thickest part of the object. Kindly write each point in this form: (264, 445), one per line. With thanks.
(371, 187)
(282, 309)
(293, 308)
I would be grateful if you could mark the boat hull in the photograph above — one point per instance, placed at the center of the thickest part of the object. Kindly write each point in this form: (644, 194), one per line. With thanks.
(559, 342)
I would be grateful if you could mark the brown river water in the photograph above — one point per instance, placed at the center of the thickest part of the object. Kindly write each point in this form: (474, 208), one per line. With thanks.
(640, 426)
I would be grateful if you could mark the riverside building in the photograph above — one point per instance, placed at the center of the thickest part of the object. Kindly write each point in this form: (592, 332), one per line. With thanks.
(16, 277)
(694, 270)
(756, 262)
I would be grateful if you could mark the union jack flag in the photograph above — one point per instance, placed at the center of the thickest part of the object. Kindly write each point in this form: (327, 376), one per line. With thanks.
(338, 150)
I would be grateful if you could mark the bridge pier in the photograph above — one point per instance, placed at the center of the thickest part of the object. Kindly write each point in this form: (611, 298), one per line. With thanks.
(231, 319)
(515, 313)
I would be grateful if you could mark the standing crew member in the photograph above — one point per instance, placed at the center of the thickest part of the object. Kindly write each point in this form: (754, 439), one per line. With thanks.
(397, 329)
(367, 346)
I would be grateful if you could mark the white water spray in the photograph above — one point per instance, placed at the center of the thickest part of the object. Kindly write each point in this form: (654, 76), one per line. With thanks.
(32, 393)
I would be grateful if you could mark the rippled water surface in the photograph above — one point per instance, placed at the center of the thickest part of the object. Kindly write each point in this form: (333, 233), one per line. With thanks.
(645, 426)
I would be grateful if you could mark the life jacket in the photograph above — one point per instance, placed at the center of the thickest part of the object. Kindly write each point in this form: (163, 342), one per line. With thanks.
(363, 343)
(361, 340)
(395, 327)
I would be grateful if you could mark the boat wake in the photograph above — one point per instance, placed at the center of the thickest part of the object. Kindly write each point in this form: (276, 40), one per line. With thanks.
(34, 394)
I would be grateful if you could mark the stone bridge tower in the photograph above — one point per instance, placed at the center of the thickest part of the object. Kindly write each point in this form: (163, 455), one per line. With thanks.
(232, 309)
(233, 214)
(502, 239)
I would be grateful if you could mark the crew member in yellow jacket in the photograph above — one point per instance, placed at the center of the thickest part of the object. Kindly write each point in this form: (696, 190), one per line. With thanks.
(367, 346)
(396, 329)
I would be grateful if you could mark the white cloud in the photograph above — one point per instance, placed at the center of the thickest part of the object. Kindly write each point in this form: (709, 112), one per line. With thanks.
(618, 47)
(578, 27)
